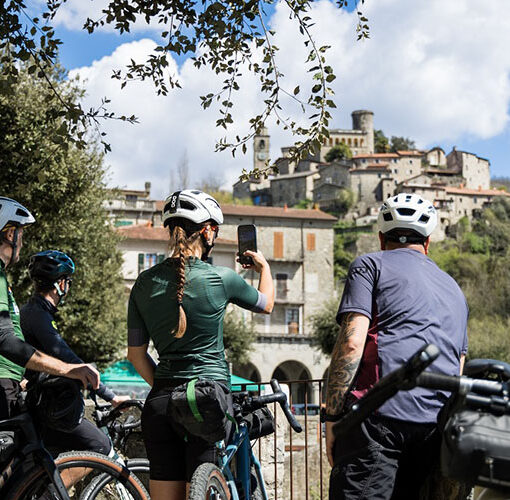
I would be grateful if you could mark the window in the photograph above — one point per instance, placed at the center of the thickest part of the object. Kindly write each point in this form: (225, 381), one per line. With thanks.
(147, 260)
(355, 143)
(361, 142)
(310, 242)
(337, 141)
(281, 286)
(278, 245)
(292, 320)
(349, 142)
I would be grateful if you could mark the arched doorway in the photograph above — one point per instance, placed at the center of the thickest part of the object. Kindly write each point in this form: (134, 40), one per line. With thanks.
(248, 370)
(297, 374)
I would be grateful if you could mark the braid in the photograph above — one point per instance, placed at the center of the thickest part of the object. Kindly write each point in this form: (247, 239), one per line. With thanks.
(180, 245)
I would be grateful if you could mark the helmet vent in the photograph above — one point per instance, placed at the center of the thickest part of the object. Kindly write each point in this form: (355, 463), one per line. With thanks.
(424, 218)
(408, 197)
(21, 213)
(387, 216)
(186, 205)
(406, 211)
(196, 192)
(420, 201)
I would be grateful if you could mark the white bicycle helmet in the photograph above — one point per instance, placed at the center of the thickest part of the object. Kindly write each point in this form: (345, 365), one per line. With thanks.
(407, 211)
(13, 213)
(193, 205)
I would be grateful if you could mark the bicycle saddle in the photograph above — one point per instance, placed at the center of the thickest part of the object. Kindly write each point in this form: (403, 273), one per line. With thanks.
(487, 368)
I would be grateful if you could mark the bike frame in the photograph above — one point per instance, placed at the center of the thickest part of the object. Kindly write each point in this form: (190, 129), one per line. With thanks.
(239, 447)
(34, 446)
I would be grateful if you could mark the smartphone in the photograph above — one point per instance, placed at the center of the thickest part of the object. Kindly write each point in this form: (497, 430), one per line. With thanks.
(247, 240)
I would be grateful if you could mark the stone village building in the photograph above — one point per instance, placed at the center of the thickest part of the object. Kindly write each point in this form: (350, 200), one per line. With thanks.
(298, 245)
(458, 183)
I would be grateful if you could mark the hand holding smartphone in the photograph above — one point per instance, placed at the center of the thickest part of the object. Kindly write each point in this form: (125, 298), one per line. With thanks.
(247, 240)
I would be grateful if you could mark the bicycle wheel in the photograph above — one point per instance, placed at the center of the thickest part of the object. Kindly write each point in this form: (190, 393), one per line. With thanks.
(81, 469)
(208, 483)
(98, 488)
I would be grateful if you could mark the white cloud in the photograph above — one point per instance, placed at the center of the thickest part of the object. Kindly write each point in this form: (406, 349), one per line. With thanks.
(435, 71)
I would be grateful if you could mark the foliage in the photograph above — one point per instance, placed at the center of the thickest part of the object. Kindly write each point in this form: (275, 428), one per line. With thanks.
(304, 204)
(238, 337)
(401, 144)
(339, 152)
(384, 145)
(343, 203)
(229, 37)
(63, 187)
(325, 328)
(381, 142)
(227, 198)
(488, 338)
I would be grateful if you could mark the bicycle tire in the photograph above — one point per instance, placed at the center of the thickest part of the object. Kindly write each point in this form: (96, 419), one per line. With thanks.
(36, 482)
(139, 466)
(208, 483)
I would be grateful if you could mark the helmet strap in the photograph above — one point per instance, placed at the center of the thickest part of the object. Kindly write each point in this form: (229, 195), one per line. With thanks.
(208, 246)
(61, 293)
(13, 244)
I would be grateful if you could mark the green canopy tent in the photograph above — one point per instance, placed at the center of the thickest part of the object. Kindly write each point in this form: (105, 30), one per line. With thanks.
(123, 379)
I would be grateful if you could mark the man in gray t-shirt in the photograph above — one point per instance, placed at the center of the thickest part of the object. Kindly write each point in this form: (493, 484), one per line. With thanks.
(394, 302)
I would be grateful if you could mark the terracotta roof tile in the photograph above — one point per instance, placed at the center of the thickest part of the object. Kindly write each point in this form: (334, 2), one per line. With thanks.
(158, 233)
(474, 192)
(287, 213)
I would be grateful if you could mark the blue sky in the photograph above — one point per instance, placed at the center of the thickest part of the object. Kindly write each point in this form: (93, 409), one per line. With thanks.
(435, 72)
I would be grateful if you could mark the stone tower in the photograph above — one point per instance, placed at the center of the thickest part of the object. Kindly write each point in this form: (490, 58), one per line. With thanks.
(364, 120)
(260, 148)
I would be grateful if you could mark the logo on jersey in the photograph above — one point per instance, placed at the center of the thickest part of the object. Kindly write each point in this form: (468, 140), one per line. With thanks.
(54, 325)
(15, 308)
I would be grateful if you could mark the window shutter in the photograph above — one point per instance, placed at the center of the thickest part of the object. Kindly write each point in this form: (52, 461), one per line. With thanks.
(310, 242)
(141, 259)
(278, 246)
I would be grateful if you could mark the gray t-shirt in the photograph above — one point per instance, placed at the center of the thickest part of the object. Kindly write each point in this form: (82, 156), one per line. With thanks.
(410, 302)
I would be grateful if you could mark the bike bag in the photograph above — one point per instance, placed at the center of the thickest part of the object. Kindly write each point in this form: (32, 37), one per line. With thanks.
(476, 448)
(260, 423)
(201, 407)
(8, 445)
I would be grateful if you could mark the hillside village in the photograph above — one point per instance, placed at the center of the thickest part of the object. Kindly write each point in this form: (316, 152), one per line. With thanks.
(457, 182)
(299, 243)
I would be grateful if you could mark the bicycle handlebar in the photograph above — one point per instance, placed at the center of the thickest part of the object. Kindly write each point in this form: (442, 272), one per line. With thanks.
(478, 393)
(278, 396)
(104, 417)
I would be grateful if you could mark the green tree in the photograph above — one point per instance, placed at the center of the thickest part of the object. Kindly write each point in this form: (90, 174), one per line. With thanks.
(63, 187)
(325, 328)
(238, 337)
(381, 142)
(401, 144)
(304, 204)
(339, 152)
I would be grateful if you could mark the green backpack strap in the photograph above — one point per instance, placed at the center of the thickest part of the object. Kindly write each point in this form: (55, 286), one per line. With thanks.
(192, 400)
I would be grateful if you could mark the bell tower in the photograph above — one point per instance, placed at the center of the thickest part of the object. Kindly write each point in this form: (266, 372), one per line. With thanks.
(260, 148)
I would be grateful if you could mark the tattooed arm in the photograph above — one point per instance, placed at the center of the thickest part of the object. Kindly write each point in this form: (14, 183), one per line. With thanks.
(345, 361)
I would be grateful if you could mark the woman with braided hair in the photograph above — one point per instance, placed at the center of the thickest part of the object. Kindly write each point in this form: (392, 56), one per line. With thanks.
(180, 304)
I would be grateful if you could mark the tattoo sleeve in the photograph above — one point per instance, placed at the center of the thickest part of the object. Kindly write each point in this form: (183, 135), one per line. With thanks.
(343, 367)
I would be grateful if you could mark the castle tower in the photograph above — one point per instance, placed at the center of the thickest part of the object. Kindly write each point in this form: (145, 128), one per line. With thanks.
(260, 148)
(364, 120)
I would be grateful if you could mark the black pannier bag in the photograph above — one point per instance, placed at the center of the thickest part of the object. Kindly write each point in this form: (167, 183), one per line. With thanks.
(260, 423)
(201, 407)
(476, 448)
(8, 444)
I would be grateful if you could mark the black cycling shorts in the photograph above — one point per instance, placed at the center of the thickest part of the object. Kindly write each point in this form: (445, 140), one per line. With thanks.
(85, 436)
(172, 456)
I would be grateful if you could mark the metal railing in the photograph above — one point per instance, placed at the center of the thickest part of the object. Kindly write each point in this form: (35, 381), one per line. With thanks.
(295, 466)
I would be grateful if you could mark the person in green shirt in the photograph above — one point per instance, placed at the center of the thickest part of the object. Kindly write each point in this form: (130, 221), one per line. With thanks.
(180, 304)
(15, 353)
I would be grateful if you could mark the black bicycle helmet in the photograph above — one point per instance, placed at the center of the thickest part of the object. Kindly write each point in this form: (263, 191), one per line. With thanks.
(49, 266)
